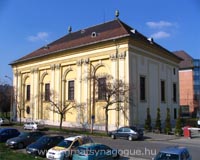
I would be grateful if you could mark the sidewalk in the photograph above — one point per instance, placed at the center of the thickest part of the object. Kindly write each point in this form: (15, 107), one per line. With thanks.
(150, 136)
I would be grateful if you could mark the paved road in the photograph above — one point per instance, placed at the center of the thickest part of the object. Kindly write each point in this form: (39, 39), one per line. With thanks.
(147, 148)
(150, 147)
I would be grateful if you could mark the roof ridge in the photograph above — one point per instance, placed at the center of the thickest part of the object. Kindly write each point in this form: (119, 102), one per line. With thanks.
(122, 24)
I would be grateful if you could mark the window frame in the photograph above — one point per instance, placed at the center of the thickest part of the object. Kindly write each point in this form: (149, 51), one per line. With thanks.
(71, 90)
(162, 91)
(28, 92)
(102, 88)
(47, 92)
(174, 93)
(142, 88)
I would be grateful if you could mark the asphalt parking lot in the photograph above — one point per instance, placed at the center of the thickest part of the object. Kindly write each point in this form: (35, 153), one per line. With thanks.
(149, 140)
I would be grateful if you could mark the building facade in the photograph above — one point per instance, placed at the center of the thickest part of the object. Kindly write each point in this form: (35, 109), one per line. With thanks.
(189, 75)
(112, 48)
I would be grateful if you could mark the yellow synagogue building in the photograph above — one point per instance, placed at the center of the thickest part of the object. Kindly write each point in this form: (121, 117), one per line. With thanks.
(66, 66)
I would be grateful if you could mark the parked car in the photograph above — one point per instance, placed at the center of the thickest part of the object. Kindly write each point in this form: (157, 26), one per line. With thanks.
(4, 121)
(42, 145)
(92, 151)
(129, 133)
(24, 139)
(7, 133)
(173, 153)
(34, 125)
(66, 148)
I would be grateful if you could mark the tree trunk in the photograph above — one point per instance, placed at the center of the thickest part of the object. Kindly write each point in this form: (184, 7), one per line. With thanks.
(20, 116)
(106, 122)
(61, 119)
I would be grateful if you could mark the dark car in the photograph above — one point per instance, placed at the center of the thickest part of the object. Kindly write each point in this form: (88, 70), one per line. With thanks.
(173, 153)
(7, 133)
(24, 139)
(42, 145)
(130, 133)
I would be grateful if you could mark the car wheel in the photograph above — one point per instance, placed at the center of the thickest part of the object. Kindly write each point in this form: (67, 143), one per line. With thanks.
(20, 145)
(130, 138)
(113, 136)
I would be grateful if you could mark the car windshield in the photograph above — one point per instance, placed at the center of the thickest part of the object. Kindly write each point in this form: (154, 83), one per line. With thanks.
(43, 140)
(135, 128)
(23, 134)
(167, 156)
(65, 143)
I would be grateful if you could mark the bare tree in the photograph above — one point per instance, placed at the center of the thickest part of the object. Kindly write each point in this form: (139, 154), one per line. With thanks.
(61, 108)
(115, 92)
(19, 101)
(5, 98)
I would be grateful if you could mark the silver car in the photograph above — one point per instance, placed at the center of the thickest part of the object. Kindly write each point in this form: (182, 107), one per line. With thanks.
(33, 125)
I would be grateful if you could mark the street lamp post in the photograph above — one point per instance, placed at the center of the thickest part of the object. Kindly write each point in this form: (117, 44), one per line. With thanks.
(11, 98)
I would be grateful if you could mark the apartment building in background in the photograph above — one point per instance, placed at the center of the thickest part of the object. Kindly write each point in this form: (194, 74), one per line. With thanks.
(189, 80)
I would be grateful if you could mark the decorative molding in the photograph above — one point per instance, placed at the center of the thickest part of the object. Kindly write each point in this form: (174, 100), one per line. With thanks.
(79, 62)
(82, 61)
(19, 73)
(64, 80)
(32, 70)
(16, 73)
(122, 55)
(86, 61)
(36, 70)
(100, 62)
(53, 66)
(113, 57)
(57, 66)
(67, 71)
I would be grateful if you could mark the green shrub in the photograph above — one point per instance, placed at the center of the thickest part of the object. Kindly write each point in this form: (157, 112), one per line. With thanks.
(168, 127)
(148, 126)
(158, 121)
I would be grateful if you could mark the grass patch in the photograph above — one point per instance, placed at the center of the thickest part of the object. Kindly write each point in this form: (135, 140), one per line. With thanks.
(78, 131)
(10, 154)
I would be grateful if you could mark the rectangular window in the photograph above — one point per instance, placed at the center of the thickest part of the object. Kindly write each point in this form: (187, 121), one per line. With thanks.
(162, 86)
(174, 92)
(174, 71)
(28, 92)
(71, 90)
(102, 88)
(142, 88)
(47, 92)
(175, 113)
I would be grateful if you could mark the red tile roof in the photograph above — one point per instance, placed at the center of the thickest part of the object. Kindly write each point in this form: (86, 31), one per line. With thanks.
(104, 32)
